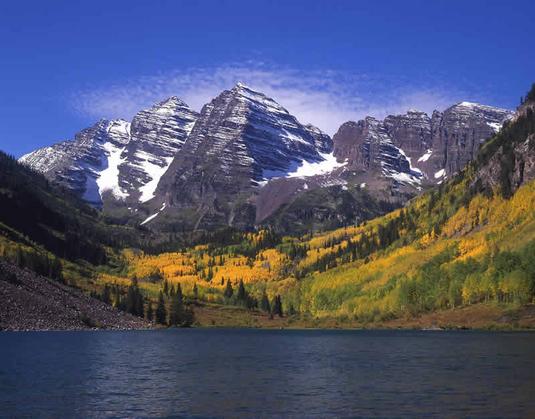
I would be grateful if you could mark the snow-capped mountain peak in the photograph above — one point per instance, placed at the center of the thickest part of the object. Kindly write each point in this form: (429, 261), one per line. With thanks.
(120, 159)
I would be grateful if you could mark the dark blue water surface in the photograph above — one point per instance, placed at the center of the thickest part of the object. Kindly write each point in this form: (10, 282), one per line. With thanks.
(263, 373)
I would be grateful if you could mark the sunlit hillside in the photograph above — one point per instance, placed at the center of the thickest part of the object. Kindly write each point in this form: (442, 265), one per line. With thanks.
(462, 244)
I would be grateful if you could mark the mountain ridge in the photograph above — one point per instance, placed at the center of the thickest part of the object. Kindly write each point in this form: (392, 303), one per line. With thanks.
(249, 150)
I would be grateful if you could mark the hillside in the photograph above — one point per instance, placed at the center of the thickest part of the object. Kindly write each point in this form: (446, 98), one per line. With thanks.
(462, 254)
(52, 243)
(33, 302)
(466, 247)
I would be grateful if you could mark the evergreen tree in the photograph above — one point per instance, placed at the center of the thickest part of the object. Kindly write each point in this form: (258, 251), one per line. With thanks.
(264, 303)
(106, 298)
(242, 294)
(134, 299)
(228, 290)
(166, 287)
(195, 292)
(150, 313)
(277, 306)
(161, 312)
(175, 311)
(179, 293)
(139, 304)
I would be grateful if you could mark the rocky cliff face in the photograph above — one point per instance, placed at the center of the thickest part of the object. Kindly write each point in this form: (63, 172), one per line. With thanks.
(382, 164)
(415, 148)
(508, 161)
(156, 135)
(88, 164)
(241, 140)
(118, 160)
(246, 160)
(460, 130)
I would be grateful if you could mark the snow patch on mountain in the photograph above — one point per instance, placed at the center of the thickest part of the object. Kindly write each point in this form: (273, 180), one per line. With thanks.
(108, 179)
(153, 216)
(425, 156)
(440, 173)
(154, 171)
(327, 165)
(496, 126)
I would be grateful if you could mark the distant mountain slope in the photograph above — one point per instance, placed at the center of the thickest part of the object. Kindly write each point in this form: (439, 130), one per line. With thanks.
(381, 164)
(470, 241)
(118, 160)
(40, 215)
(467, 244)
(241, 139)
(245, 162)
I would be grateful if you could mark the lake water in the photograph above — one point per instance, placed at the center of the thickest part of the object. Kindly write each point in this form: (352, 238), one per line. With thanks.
(265, 373)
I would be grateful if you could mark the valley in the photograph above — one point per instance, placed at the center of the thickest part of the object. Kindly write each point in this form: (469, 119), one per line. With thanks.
(360, 232)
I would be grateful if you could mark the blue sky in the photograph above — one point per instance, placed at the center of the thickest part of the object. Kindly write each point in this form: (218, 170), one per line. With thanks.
(65, 64)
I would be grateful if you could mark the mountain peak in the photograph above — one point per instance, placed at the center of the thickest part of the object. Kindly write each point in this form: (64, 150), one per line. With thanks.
(241, 85)
(478, 107)
(172, 101)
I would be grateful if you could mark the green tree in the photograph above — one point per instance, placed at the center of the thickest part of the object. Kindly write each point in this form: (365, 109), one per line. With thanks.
(277, 306)
(264, 303)
(106, 298)
(229, 291)
(242, 294)
(161, 312)
(150, 313)
(175, 311)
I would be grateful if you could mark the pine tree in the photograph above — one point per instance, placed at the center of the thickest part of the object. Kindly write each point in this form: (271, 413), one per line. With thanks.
(179, 293)
(166, 287)
(134, 299)
(242, 294)
(106, 294)
(161, 312)
(264, 303)
(150, 313)
(277, 306)
(228, 291)
(139, 304)
(175, 310)
(195, 292)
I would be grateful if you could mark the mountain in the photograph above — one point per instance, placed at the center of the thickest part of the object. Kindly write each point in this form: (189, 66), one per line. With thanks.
(118, 160)
(50, 230)
(246, 161)
(459, 255)
(241, 140)
(382, 164)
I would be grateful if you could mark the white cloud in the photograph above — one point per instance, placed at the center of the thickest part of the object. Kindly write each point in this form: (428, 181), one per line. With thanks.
(324, 98)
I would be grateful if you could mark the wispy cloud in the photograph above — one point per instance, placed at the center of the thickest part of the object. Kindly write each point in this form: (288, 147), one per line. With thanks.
(324, 98)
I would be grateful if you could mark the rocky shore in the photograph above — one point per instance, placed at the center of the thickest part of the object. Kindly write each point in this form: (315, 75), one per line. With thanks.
(32, 302)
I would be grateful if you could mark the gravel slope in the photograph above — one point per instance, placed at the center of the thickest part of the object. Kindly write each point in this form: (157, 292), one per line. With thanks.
(32, 302)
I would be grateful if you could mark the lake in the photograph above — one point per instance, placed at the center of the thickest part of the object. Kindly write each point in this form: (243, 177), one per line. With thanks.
(267, 373)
